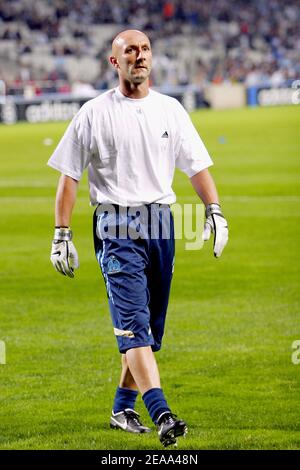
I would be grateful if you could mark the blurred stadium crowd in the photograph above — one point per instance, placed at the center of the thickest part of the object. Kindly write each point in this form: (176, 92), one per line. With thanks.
(63, 45)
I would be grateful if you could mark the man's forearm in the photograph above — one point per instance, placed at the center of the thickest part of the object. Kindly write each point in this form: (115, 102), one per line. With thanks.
(205, 187)
(65, 200)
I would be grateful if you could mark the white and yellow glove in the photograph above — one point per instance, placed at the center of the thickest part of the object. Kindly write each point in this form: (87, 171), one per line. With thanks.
(64, 256)
(216, 224)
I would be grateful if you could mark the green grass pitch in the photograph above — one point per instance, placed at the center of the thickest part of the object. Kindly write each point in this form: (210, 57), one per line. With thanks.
(226, 362)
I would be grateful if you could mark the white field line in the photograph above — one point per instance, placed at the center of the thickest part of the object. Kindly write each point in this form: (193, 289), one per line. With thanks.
(33, 200)
(190, 200)
(25, 184)
(283, 198)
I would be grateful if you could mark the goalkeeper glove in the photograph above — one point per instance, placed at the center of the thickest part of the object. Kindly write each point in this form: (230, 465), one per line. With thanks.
(64, 256)
(216, 224)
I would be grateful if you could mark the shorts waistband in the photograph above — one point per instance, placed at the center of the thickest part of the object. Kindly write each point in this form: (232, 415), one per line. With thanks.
(154, 206)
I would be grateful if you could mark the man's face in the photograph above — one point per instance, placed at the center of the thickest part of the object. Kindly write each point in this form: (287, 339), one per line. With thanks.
(132, 57)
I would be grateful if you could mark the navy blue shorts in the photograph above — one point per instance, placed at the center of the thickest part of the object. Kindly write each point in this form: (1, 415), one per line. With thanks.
(137, 267)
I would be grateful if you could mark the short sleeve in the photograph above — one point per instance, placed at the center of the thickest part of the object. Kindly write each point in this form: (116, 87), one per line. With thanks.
(191, 153)
(73, 153)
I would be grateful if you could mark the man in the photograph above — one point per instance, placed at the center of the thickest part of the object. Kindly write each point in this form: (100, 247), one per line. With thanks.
(131, 139)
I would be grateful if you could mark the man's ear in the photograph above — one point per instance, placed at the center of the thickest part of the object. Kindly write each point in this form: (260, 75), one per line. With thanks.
(114, 61)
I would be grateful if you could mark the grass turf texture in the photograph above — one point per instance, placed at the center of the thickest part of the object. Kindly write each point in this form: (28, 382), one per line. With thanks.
(226, 359)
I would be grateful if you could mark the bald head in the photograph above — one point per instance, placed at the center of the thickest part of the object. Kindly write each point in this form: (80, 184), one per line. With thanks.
(127, 37)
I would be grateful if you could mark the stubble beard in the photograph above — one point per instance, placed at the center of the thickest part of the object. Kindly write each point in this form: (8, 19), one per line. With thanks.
(139, 78)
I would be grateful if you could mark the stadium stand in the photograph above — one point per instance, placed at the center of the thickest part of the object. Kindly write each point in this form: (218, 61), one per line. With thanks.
(63, 45)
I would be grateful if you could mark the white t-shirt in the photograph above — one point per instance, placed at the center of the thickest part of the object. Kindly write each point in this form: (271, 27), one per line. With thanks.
(131, 148)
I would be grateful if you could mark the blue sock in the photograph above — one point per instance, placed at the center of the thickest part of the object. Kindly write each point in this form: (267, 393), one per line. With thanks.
(124, 398)
(155, 402)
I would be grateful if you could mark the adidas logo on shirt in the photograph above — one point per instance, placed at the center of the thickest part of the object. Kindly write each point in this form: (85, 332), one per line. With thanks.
(165, 135)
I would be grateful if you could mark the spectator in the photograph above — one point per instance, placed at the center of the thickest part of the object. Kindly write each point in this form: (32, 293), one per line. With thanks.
(254, 42)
